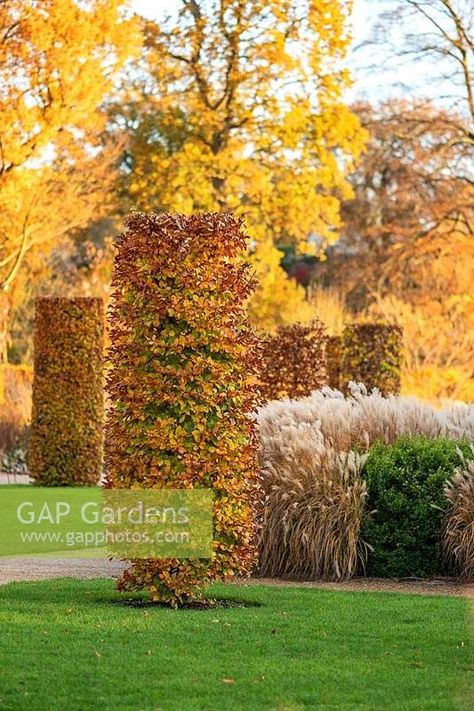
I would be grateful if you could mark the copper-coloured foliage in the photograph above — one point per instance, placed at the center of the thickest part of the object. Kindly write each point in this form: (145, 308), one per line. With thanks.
(182, 385)
(66, 438)
(294, 361)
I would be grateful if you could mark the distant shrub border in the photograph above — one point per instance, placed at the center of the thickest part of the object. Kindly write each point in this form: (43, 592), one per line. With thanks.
(182, 385)
(66, 438)
(371, 354)
(293, 361)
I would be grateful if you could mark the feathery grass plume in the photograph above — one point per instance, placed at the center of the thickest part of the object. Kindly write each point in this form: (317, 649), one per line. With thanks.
(314, 507)
(293, 361)
(458, 539)
(361, 418)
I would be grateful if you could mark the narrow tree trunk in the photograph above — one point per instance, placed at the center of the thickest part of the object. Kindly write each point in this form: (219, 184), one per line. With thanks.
(4, 317)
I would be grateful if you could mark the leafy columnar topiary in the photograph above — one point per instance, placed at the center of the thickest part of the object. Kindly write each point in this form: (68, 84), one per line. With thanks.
(293, 362)
(405, 481)
(371, 354)
(66, 439)
(182, 385)
(333, 361)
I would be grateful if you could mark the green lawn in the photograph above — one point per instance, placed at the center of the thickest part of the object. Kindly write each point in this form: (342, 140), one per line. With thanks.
(69, 645)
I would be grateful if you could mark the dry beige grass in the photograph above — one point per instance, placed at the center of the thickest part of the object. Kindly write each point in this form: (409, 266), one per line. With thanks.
(458, 541)
(361, 419)
(314, 507)
(315, 497)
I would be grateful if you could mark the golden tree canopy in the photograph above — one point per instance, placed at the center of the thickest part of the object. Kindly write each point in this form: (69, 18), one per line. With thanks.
(241, 108)
(58, 60)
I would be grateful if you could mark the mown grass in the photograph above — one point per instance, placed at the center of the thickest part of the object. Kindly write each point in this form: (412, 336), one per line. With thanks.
(66, 644)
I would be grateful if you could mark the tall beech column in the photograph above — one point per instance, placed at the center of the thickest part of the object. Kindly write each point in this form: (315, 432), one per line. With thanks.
(66, 439)
(182, 385)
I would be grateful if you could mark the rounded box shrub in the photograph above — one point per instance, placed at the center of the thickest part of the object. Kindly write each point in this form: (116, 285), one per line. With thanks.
(66, 437)
(293, 361)
(407, 505)
(371, 354)
(182, 385)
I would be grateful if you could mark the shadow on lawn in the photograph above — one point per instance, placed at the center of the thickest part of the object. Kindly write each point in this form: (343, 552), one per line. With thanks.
(204, 604)
(64, 591)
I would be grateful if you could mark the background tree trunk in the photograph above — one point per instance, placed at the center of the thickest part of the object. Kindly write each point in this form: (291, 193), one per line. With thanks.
(4, 314)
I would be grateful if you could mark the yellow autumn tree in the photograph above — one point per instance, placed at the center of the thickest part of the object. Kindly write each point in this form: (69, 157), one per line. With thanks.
(58, 61)
(240, 108)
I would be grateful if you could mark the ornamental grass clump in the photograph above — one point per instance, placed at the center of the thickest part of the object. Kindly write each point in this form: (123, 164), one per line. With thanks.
(293, 361)
(182, 385)
(314, 507)
(66, 438)
(360, 419)
(458, 539)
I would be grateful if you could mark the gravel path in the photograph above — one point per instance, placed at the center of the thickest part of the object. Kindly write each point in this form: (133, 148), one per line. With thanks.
(14, 479)
(436, 586)
(19, 569)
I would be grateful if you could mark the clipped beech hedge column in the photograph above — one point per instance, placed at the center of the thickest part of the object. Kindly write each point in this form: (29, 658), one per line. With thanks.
(182, 385)
(293, 361)
(333, 361)
(66, 439)
(371, 354)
